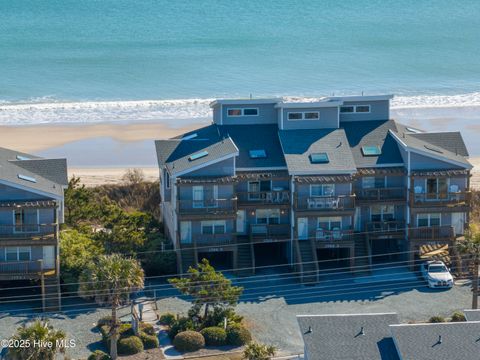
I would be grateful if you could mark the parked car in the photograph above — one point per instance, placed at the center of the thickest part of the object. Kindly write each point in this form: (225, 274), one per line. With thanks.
(437, 274)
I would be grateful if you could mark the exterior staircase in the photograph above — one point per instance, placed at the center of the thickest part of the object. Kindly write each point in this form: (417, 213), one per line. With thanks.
(51, 294)
(362, 256)
(188, 258)
(309, 263)
(245, 257)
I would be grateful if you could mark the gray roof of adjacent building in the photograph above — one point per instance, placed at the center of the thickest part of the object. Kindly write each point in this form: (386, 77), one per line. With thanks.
(29, 171)
(439, 341)
(348, 336)
(472, 315)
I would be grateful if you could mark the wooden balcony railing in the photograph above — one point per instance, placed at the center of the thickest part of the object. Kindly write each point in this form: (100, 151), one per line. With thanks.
(20, 267)
(332, 235)
(270, 231)
(28, 231)
(381, 194)
(207, 206)
(213, 239)
(439, 199)
(264, 197)
(327, 203)
(432, 233)
(385, 226)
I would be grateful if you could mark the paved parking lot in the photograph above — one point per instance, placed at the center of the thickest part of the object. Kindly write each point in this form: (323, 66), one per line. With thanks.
(271, 302)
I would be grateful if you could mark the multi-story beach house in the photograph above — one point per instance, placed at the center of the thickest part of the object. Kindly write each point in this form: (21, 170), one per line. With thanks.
(332, 183)
(31, 209)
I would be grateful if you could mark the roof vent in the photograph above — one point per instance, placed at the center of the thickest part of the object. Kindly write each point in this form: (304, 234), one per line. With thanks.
(20, 157)
(362, 331)
(27, 178)
(439, 339)
(433, 148)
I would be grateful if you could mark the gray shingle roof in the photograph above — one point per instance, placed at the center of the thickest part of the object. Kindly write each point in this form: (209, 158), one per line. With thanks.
(451, 141)
(50, 174)
(175, 153)
(459, 341)
(248, 137)
(472, 315)
(372, 133)
(298, 145)
(339, 336)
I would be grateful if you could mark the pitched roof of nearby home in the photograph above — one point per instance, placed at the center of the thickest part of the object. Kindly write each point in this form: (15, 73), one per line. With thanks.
(257, 137)
(472, 315)
(449, 140)
(332, 337)
(299, 145)
(372, 133)
(440, 341)
(30, 171)
(177, 153)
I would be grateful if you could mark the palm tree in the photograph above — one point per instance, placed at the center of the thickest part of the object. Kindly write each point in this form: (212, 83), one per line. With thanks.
(52, 342)
(471, 248)
(257, 351)
(110, 280)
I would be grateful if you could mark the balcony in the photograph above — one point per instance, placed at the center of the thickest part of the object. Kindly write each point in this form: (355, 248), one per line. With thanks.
(33, 233)
(381, 194)
(432, 233)
(269, 232)
(213, 239)
(20, 269)
(275, 197)
(385, 228)
(332, 235)
(207, 207)
(325, 203)
(459, 198)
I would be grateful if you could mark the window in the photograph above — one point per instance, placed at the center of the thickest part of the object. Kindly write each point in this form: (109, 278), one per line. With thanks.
(382, 213)
(268, 216)
(322, 189)
(303, 115)
(256, 188)
(26, 220)
(373, 182)
(425, 220)
(372, 150)
(197, 197)
(329, 222)
(199, 155)
(437, 188)
(213, 227)
(242, 112)
(257, 154)
(319, 158)
(355, 109)
(186, 232)
(18, 253)
(166, 177)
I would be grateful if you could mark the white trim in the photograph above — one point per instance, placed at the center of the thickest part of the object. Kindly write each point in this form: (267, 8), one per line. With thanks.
(213, 224)
(221, 114)
(205, 164)
(242, 111)
(245, 101)
(307, 105)
(383, 165)
(281, 119)
(326, 172)
(332, 315)
(303, 113)
(362, 98)
(429, 218)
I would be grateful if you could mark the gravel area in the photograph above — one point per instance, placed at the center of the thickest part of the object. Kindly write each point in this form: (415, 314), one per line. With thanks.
(271, 302)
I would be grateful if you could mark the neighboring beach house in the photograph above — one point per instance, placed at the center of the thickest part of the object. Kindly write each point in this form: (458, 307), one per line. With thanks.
(31, 209)
(313, 185)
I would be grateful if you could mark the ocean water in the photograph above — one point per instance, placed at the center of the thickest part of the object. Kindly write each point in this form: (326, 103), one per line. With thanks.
(113, 60)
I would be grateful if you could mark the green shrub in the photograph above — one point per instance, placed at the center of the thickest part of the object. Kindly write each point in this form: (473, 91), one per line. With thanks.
(458, 316)
(130, 345)
(167, 319)
(105, 320)
(125, 330)
(217, 316)
(214, 336)
(436, 319)
(147, 328)
(187, 341)
(99, 355)
(182, 324)
(238, 335)
(149, 341)
(104, 330)
(257, 351)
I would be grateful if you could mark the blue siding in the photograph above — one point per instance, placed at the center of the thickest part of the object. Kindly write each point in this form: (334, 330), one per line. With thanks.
(10, 193)
(222, 168)
(328, 119)
(379, 110)
(422, 162)
(267, 115)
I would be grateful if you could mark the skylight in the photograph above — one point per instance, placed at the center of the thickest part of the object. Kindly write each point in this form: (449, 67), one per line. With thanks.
(257, 154)
(198, 155)
(27, 178)
(319, 158)
(20, 157)
(371, 150)
(433, 148)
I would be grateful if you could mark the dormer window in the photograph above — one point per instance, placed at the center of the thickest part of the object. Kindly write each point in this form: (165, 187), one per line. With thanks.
(242, 112)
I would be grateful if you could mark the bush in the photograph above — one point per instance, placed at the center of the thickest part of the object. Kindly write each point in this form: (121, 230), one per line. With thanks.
(436, 319)
(99, 355)
(125, 330)
(149, 341)
(217, 316)
(167, 319)
(238, 336)
(182, 324)
(214, 336)
(147, 328)
(458, 316)
(104, 330)
(106, 320)
(130, 345)
(187, 341)
(257, 351)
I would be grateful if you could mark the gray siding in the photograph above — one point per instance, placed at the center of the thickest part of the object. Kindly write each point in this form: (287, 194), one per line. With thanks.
(224, 191)
(379, 110)
(222, 168)
(422, 162)
(267, 114)
(328, 119)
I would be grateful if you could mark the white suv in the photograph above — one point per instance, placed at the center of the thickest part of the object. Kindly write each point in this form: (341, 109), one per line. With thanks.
(437, 274)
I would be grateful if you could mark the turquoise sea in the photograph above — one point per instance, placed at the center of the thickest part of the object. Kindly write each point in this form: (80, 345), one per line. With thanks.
(92, 60)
